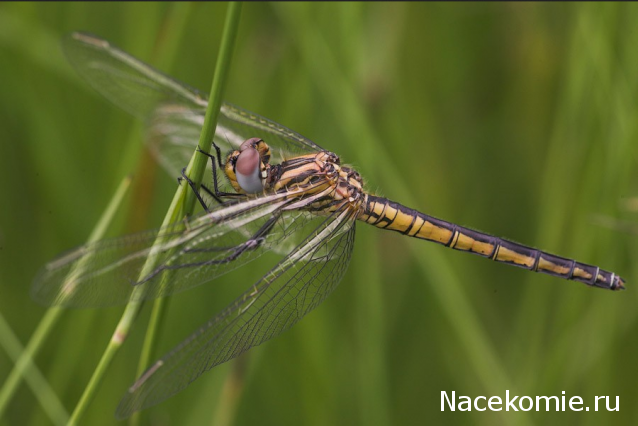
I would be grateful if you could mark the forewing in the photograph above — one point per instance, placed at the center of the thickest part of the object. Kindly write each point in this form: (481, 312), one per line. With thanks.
(173, 111)
(109, 272)
(289, 291)
(284, 143)
(124, 80)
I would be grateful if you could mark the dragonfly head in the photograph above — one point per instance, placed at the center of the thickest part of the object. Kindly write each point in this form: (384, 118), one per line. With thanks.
(247, 167)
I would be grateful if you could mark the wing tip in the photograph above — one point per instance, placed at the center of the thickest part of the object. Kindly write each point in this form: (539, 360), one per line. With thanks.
(89, 39)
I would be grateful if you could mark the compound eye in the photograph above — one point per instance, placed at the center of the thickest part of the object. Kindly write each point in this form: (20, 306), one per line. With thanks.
(249, 143)
(247, 171)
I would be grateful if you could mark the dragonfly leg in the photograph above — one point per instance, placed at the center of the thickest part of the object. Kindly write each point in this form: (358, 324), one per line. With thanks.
(256, 240)
(216, 193)
(252, 243)
(219, 154)
(194, 188)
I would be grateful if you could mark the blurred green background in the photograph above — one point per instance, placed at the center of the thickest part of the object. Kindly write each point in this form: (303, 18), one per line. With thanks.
(515, 119)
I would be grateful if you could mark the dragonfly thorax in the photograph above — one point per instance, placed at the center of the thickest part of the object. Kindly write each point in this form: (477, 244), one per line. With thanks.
(319, 180)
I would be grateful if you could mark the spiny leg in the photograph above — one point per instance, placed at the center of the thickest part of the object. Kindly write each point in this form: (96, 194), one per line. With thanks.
(217, 194)
(252, 243)
(194, 188)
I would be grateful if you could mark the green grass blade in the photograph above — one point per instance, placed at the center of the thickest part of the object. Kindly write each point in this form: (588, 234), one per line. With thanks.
(195, 169)
(182, 204)
(24, 368)
(24, 363)
(175, 24)
(196, 173)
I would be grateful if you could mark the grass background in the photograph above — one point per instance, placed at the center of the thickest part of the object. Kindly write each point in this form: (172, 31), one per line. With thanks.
(515, 119)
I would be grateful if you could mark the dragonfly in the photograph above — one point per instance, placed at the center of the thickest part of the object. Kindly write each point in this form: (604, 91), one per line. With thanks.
(274, 191)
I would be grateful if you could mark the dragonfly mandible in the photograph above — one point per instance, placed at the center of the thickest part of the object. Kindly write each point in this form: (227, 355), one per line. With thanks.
(274, 191)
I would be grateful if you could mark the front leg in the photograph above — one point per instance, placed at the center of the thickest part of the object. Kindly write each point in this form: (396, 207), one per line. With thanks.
(216, 193)
(194, 188)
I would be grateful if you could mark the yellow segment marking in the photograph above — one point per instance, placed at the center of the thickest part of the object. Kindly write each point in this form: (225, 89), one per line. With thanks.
(581, 273)
(434, 233)
(387, 216)
(401, 221)
(546, 265)
(507, 255)
(467, 243)
(417, 225)
(455, 240)
(378, 209)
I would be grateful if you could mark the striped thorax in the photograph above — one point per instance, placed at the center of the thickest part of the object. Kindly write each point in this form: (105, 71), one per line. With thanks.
(318, 180)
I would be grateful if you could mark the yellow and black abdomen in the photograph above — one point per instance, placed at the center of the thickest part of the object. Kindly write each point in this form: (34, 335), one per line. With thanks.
(387, 214)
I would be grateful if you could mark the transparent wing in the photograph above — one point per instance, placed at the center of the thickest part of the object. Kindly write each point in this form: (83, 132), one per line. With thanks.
(124, 80)
(110, 271)
(173, 111)
(282, 297)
